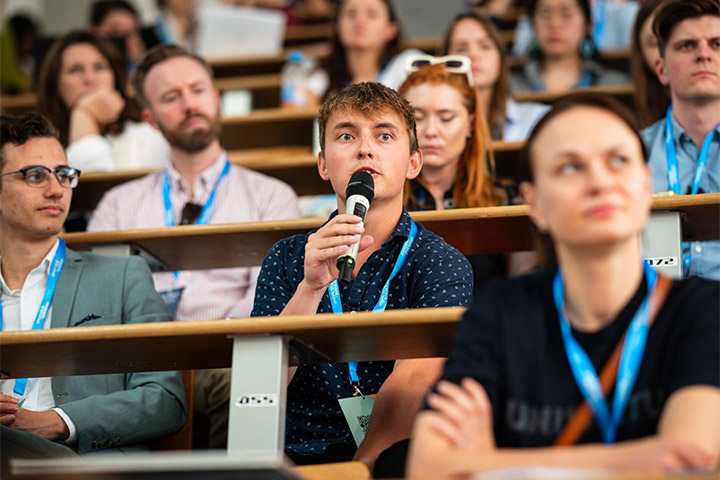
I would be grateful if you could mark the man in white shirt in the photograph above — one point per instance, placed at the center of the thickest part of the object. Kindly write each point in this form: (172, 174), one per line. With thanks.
(200, 186)
(44, 285)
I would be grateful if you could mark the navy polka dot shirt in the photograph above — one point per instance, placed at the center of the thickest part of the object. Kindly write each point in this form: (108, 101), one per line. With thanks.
(434, 275)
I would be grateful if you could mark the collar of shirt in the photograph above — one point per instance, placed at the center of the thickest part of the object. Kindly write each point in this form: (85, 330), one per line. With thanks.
(681, 137)
(533, 73)
(202, 185)
(402, 230)
(423, 200)
(36, 276)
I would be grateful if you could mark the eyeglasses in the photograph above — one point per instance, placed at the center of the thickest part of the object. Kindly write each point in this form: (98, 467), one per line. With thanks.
(37, 176)
(453, 64)
(190, 213)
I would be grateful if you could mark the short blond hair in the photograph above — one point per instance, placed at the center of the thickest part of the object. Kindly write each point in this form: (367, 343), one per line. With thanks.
(368, 99)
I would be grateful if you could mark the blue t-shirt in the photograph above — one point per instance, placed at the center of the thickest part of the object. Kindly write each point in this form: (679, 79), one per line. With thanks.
(705, 255)
(434, 275)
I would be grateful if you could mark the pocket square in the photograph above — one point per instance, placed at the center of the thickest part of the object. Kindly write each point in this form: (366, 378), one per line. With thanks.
(88, 318)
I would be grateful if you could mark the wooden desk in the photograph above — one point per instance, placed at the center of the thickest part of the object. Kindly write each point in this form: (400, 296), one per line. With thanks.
(257, 349)
(295, 166)
(272, 127)
(624, 93)
(206, 344)
(471, 230)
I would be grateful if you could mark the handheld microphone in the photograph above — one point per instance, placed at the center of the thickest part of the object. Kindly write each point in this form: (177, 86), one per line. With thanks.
(358, 195)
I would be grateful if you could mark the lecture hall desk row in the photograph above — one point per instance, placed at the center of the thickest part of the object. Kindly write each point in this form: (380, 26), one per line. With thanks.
(296, 166)
(261, 76)
(471, 230)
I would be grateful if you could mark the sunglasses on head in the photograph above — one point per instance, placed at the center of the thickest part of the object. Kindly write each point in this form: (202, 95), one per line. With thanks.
(453, 64)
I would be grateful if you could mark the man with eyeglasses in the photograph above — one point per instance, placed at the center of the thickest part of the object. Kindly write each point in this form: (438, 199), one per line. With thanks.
(44, 285)
(200, 187)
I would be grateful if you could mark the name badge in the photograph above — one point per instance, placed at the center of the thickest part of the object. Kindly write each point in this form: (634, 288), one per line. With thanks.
(357, 412)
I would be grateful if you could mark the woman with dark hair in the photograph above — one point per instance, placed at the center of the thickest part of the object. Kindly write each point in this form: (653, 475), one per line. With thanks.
(523, 375)
(82, 90)
(477, 38)
(651, 97)
(118, 19)
(564, 56)
(364, 49)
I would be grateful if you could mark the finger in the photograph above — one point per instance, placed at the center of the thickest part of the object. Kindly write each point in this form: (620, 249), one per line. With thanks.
(365, 242)
(6, 408)
(316, 257)
(7, 398)
(346, 218)
(7, 420)
(448, 407)
(331, 242)
(693, 457)
(442, 427)
(478, 394)
(459, 395)
(339, 229)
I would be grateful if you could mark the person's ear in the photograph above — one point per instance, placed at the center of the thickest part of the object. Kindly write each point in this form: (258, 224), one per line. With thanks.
(322, 167)
(416, 163)
(391, 32)
(661, 71)
(529, 195)
(149, 117)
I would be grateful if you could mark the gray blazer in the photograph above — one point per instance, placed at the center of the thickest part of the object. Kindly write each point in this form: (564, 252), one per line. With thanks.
(117, 410)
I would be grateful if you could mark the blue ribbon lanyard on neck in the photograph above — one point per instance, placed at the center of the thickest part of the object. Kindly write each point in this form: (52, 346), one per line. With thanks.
(206, 211)
(673, 169)
(599, 21)
(381, 305)
(583, 370)
(55, 270)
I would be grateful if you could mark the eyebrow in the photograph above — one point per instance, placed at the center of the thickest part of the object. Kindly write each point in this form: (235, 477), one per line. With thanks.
(341, 125)
(385, 125)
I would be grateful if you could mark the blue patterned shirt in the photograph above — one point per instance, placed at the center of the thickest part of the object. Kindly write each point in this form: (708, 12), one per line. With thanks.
(434, 275)
(705, 255)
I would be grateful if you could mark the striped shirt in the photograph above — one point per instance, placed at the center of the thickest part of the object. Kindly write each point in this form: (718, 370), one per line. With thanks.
(243, 196)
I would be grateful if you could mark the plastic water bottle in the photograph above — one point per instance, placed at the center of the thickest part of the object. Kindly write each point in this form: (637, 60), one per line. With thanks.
(292, 77)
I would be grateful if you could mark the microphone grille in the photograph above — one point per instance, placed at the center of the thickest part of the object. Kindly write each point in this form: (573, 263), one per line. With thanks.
(361, 183)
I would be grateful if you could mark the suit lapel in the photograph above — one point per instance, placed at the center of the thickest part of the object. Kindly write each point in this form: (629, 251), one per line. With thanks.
(66, 289)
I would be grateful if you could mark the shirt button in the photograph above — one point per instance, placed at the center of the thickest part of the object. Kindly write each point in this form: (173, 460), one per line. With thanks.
(698, 249)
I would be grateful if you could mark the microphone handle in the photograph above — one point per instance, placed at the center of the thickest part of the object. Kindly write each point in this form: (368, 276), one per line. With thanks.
(357, 205)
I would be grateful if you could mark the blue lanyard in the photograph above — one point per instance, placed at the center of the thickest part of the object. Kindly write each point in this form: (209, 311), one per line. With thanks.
(673, 169)
(206, 211)
(585, 374)
(55, 269)
(336, 301)
(599, 19)
(672, 163)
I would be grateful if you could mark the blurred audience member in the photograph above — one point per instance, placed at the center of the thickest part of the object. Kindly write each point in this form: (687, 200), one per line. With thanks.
(477, 38)
(364, 49)
(118, 19)
(17, 66)
(178, 23)
(651, 97)
(82, 90)
(564, 56)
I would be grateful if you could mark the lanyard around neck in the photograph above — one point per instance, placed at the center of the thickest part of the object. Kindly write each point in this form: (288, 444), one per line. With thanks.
(206, 211)
(673, 170)
(53, 275)
(381, 305)
(583, 370)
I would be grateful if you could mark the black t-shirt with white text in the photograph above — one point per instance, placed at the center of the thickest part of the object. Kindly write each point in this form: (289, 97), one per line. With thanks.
(510, 342)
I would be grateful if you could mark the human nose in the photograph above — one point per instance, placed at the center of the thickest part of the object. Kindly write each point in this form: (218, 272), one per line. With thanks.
(599, 176)
(365, 148)
(704, 52)
(189, 102)
(53, 189)
(430, 127)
